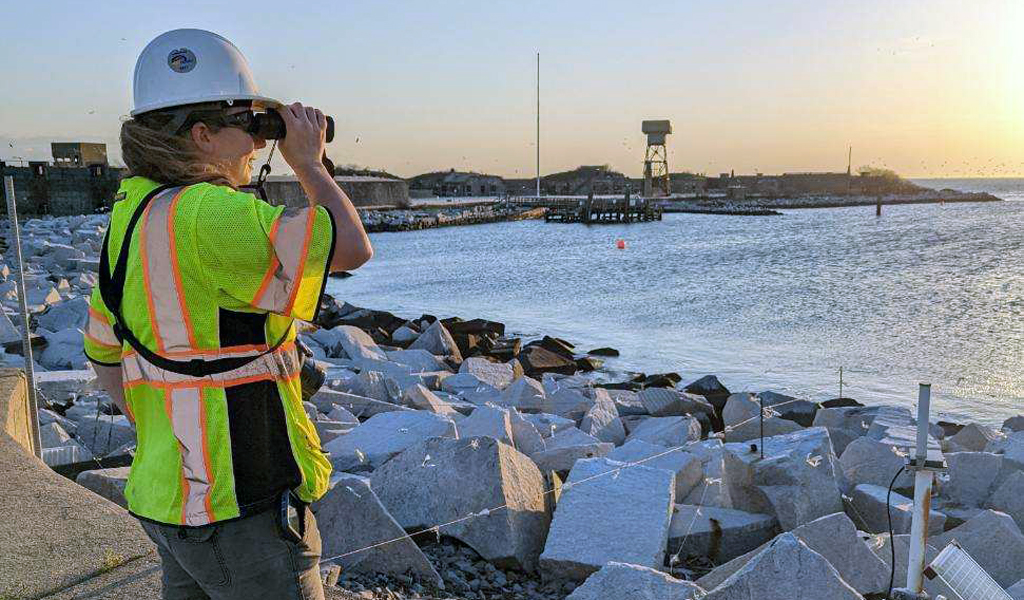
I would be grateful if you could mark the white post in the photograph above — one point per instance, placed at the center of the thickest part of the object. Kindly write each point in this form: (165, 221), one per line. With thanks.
(538, 125)
(26, 344)
(922, 495)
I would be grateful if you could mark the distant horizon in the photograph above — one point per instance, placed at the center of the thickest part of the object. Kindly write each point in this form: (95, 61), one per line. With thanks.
(928, 91)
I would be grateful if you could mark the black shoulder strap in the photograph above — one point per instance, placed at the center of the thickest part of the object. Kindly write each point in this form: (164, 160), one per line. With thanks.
(112, 292)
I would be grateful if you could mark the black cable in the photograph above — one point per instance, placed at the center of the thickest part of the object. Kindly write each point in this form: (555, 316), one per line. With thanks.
(892, 542)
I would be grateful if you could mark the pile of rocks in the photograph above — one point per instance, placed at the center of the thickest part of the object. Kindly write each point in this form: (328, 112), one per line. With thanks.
(472, 464)
(424, 218)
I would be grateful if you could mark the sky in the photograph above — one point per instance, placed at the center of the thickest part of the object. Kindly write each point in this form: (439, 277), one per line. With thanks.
(929, 89)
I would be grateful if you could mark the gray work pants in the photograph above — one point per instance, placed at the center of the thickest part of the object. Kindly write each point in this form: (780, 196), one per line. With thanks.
(244, 559)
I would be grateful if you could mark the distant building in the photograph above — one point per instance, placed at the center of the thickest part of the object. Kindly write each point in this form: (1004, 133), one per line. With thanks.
(42, 189)
(456, 183)
(599, 180)
(78, 154)
(364, 191)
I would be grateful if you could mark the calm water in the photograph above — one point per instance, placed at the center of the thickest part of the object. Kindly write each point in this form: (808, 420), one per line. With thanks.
(930, 293)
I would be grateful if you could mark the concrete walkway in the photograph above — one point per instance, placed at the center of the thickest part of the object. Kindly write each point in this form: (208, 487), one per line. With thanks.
(57, 539)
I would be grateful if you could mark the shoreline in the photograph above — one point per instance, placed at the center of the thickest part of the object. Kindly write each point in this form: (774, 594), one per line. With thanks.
(418, 413)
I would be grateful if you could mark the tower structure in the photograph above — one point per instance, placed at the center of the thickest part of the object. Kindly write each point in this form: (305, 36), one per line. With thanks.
(656, 179)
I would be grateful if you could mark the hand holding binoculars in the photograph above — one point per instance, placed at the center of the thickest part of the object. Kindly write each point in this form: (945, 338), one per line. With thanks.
(270, 126)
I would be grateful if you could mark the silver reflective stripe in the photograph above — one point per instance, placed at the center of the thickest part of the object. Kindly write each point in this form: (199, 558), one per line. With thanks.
(166, 299)
(290, 240)
(279, 364)
(187, 420)
(101, 331)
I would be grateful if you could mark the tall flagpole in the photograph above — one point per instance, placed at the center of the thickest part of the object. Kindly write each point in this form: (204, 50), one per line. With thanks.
(538, 125)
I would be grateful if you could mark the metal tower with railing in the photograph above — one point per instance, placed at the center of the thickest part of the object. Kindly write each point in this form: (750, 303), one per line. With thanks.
(656, 178)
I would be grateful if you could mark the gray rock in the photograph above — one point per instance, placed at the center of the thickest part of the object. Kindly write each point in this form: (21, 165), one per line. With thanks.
(790, 407)
(835, 538)
(52, 435)
(441, 480)
(383, 436)
(61, 386)
(994, 541)
(569, 402)
(867, 508)
(797, 476)
(667, 431)
(727, 480)
(438, 342)
(627, 402)
(587, 530)
(105, 434)
(845, 424)
(972, 476)
(785, 570)
(351, 517)
(73, 313)
(108, 483)
(404, 335)
(525, 436)
(881, 546)
(602, 420)
(720, 534)
(8, 333)
(1014, 423)
(48, 416)
(470, 387)
(974, 437)
(867, 460)
(360, 406)
(497, 375)
(633, 582)
(687, 467)
(525, 394)
(420, 398)
(1011, 448)
(667, 402)
(71, 453)
(1009, 498)
(376, 385)
(1016, 591)
(63, 350)
(742, 419)
(358, 344)
(420, 361)
(330, 430)
(340, 414)
(488, 421)
(547, 424)
(564, 448)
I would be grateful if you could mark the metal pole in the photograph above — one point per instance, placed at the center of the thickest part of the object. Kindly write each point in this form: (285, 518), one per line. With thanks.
(761, 401)
(538, 125)
(26, 344)
(922, 495)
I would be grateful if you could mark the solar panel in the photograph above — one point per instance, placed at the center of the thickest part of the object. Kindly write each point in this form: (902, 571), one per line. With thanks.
(963, 576)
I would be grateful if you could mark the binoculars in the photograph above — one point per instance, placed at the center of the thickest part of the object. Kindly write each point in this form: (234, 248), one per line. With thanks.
(270, 126)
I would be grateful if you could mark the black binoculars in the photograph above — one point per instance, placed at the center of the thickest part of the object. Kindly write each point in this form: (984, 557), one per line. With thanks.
(270, 126)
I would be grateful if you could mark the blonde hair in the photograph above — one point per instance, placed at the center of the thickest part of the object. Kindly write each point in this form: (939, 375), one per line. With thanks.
(165, 157)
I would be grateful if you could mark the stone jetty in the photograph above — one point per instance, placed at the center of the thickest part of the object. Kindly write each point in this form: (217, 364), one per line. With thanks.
(472, 464)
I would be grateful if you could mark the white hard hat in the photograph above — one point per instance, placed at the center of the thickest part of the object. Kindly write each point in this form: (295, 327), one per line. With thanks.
(189, 66)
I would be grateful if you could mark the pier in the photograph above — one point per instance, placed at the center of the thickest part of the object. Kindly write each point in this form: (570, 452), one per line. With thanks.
(591, 210)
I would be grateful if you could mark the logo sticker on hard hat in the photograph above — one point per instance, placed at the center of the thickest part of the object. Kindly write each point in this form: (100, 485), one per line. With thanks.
(181, 60)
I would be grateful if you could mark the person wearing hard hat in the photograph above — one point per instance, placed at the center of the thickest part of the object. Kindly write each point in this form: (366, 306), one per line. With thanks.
(191, 328)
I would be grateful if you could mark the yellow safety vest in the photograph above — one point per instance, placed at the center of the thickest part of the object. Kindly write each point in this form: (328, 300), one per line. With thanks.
(211, 274)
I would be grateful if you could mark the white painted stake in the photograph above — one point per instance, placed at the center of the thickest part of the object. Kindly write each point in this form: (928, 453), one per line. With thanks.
(26, 344)
(922, 495)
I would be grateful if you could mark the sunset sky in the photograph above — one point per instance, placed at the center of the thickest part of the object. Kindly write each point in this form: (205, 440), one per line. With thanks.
(929, 89)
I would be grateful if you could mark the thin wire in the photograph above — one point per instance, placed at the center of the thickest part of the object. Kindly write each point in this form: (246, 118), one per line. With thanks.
(565, 486)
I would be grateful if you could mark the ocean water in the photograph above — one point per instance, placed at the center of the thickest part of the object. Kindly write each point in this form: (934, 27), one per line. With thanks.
(928, 293)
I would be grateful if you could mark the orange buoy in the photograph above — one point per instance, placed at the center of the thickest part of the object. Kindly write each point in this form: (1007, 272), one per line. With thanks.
(620, 244)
